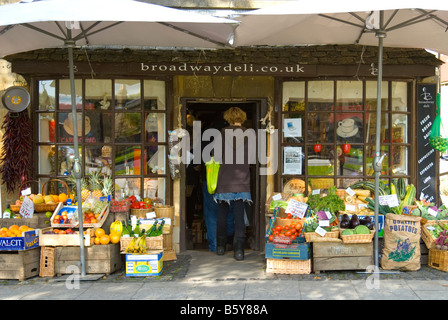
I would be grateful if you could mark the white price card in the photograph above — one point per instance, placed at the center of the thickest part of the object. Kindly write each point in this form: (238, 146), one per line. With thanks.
(26, 192)
(350, 207)
(27, 208)
(320, 231)
(432, 212)
(296, 208)
(276, 197)
(390, 200)
(324, 223)
(350, 191)
(316, 191)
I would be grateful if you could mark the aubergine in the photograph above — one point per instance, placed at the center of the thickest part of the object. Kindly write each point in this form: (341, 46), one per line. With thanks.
(345, 217)
(345, 224)
(370, 225)
(354, 221)
(364, 221)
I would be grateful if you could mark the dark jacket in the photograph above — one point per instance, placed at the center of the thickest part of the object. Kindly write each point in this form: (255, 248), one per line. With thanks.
(234, 176)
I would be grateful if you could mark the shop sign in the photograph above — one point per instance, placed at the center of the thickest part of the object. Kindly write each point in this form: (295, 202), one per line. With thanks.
(426, 169)
(213, 69)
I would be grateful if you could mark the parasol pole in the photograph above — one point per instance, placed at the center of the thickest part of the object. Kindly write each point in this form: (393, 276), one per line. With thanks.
(377, 161)
(77, 172)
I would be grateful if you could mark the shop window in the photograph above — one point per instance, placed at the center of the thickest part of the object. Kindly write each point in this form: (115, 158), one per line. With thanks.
(122, 125)
(320, 118)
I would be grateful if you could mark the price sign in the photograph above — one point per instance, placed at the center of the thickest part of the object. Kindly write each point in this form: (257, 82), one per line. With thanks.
(27, 208)
(296, 208)
(390, 200)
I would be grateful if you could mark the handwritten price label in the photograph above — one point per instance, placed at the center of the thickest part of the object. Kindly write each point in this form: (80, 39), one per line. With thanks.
(27, 208)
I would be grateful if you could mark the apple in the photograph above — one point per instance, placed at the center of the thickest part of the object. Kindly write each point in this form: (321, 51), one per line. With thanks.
(317, 147)
(346, 148)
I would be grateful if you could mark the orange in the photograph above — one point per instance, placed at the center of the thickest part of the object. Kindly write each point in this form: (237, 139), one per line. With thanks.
(56, 198)
(92, 220)
(62, 197)
(97, 240)
(23, 228)
(114, 238)
(105, 239)
(99, 232)
(13, 227)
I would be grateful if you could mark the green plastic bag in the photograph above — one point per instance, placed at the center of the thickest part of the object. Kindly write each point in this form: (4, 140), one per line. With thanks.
(212, 169)
(436, 140)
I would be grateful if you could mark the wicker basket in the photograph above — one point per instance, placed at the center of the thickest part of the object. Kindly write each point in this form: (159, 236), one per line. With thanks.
(438, 259)
(164, 212)
(288, 266)
(46, 262)
(357, 238)
(140, 213)
(152, 243)
(427, 237)
(42, 207)
(296, 186)
(310, 236)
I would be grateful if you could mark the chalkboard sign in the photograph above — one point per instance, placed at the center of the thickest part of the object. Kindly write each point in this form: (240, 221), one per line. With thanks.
(426, 155)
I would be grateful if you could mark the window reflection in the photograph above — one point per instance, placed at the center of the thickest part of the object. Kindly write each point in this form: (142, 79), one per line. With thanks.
(127, 94)
(128, 127)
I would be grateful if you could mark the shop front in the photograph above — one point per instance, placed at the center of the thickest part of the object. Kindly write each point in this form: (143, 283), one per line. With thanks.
(313, 110)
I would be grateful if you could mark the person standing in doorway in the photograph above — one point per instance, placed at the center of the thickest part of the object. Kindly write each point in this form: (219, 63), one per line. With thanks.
(233, 187)
(210, 207)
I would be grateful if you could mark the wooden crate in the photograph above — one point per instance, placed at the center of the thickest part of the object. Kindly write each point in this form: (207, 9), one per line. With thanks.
(438, 259)
(64, 240)
(427, 237)
(99, 259)
(46, 262)
(341, 256)
(288, 266)
(32, 222)
(19, 265)
(169, 255)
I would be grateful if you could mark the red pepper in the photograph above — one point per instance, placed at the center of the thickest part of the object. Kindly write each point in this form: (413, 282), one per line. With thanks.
(132, 199)
(135, 205)
(346, 148)
(317, 147)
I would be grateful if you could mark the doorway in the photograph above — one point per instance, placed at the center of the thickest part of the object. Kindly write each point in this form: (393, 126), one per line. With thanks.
(193, 228)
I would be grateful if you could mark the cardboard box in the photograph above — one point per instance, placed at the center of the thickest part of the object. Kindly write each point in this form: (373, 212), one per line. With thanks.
(29, 240)
(297, 251)
(144, 265)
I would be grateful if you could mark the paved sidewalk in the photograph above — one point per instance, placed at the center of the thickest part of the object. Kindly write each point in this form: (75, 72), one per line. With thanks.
(200, 275)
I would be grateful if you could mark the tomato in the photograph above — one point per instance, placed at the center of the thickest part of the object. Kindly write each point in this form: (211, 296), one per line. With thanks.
(289, 216)
(298, 225)
(279, 228)
(317, 147)
(293, 237)
(288, 233)
(271, 238)
(346, 147)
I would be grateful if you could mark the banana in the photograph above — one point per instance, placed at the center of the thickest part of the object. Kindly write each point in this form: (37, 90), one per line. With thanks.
(116, 227)
(131, 246)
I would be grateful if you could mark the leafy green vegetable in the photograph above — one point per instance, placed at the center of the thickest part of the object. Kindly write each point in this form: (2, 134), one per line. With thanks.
(331, 202)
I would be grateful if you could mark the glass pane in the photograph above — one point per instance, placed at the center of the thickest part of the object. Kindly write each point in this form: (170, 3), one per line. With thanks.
(155, 127)
(320, 127)
(98, 94)
(155, 159)
(66, 156)
(346, 182)
(155, 189)
(399, 160)
(47, 159)
(320, 95)
(372, 96)
(65, 126)
(47, 95)
(98, 158)
(154, 91)
(65, 100)
(370, 154)
(349, 95)
(125, 187)
(293, 127)
(399, 96)
(399, 128)
(371, 127)
(128, 127)
(127, 160)
(322, 163)
(293, 96)
(350, 164)
(100, 127)
(349, 127)
(293, 160)
(321, 183)
(46, 127)
(127, 94)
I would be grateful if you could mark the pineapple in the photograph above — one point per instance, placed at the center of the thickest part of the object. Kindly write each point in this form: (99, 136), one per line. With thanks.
(95, 184)
(85, 192)
(108, 186)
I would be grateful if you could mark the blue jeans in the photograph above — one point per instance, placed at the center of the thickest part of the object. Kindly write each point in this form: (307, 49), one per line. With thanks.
(211, 216)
